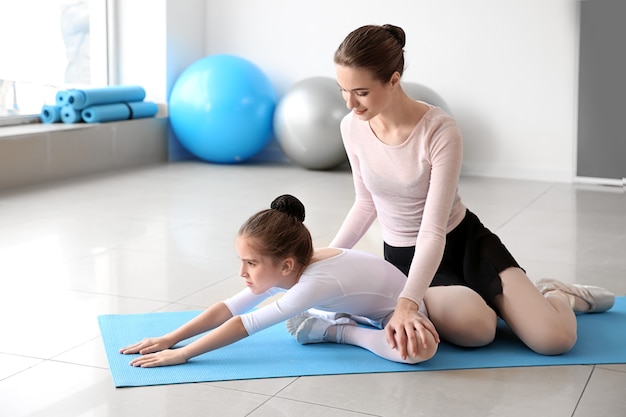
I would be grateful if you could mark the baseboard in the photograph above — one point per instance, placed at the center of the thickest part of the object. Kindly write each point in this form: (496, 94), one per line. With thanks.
(613, 182)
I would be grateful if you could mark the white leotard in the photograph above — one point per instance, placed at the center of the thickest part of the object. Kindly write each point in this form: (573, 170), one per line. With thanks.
(353, 282)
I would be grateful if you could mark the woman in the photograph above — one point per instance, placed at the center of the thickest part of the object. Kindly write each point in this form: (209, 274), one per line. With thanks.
(406, 159)
(277, 256)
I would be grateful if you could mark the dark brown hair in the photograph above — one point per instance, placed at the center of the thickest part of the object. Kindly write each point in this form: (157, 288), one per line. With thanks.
(377, 48)
(279, 232)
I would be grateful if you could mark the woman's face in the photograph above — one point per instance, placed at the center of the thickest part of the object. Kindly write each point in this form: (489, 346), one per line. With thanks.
(365, 96)
(259, 272)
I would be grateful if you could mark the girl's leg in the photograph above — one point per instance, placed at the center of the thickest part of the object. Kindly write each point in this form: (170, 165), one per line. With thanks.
(546, 324)
(460, 315)
(308, 328)
(374, 341)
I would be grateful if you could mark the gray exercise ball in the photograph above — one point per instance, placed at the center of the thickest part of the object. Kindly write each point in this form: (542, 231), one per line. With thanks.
(421, 92)
(306, 123)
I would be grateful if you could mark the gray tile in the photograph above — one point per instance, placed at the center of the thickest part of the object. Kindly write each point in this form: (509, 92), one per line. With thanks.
(604, 396)
(143, 275)
(55, 389)
(282, 407)
(618, 368)
(48, 322)
(13, 364)
(259, 386)
(90, 353)
(160, 238)
(511, 392)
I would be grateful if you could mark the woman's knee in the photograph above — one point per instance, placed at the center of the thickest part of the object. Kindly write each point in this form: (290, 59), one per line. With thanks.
(546, 326)
(555, 340)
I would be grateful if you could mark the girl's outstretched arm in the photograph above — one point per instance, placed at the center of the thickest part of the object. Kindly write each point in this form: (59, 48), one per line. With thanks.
(229, 332)
(209, 319)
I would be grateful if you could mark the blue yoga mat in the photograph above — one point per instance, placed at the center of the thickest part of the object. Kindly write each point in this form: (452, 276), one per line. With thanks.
(274, 353)
(50, 114)
(119, 111)
(80, 99)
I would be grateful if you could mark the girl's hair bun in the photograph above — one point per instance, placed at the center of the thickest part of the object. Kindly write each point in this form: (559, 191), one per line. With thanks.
(290, 205)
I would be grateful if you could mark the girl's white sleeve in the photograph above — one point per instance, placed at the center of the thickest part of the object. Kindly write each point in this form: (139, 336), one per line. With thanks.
(299, 298)
(245, 300)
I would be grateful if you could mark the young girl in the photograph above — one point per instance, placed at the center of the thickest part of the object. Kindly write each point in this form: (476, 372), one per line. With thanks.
(405, 157)
(277, 256)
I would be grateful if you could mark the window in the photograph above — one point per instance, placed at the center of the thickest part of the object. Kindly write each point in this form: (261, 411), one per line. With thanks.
(47, 46)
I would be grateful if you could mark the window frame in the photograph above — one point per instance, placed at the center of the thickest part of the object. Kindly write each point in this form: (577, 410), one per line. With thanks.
(101, 21)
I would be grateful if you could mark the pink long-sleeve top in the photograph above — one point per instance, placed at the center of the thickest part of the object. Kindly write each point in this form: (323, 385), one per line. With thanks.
(412, 188)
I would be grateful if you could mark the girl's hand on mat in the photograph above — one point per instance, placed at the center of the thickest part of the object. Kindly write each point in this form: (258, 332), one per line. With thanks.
(407, 329)
(148, 345)
(163, 358)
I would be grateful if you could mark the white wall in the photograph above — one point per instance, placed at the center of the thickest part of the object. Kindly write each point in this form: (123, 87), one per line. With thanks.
(139, 50)
(154, 41)
(506, 68)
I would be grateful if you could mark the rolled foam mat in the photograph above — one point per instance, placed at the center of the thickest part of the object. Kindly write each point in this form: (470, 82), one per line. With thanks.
(119, 111)
(50, 114)
(80, 99)
(61, 98)
(70, 114)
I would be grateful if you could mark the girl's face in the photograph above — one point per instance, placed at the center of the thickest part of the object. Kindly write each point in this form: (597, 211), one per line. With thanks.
(364, 95)
(259, 272)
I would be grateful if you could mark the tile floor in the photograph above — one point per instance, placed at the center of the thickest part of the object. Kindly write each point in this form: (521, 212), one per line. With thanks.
(161, 238)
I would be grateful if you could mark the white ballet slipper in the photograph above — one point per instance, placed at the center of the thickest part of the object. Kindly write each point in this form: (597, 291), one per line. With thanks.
(307, 328)
(293, 323)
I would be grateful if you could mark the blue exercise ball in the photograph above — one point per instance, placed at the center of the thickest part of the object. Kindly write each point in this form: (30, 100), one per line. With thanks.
(221, 109)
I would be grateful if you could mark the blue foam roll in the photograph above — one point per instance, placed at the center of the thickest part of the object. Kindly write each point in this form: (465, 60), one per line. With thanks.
(80, 99)
(70, 114)
(50, 114)
(119, 111)
(61, 98)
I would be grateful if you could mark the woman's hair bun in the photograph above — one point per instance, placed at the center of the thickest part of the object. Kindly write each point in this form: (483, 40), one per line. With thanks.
(397, 33)
(290, 205)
